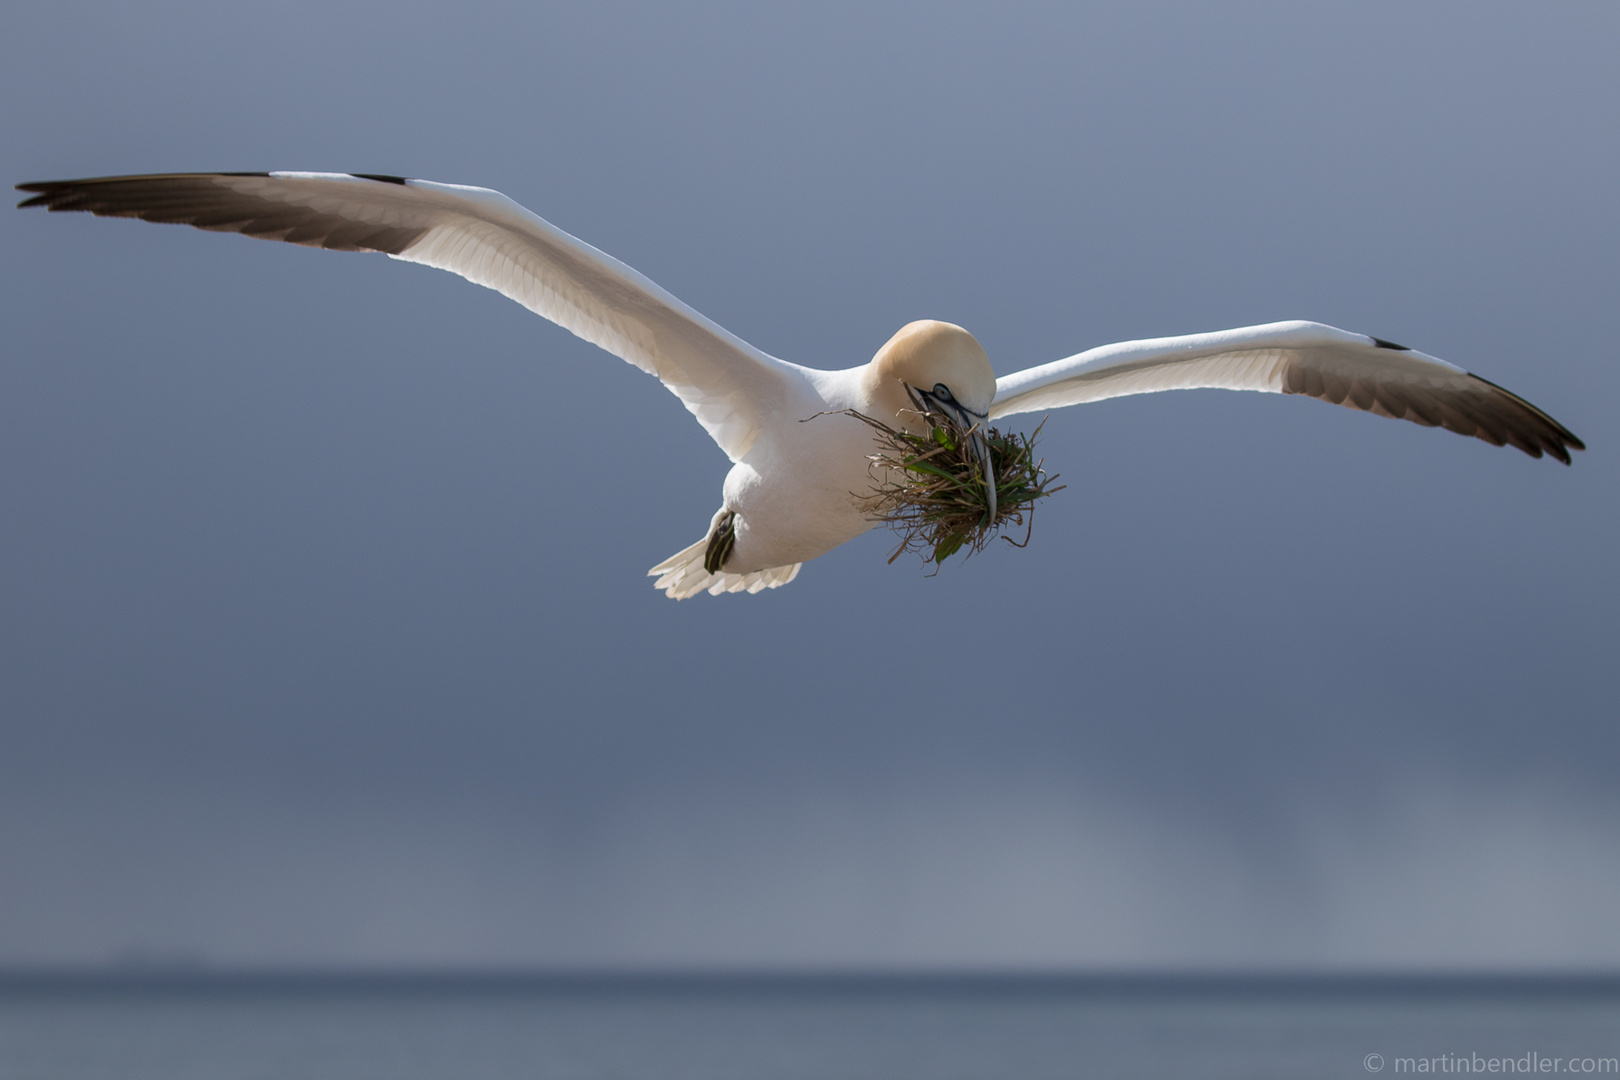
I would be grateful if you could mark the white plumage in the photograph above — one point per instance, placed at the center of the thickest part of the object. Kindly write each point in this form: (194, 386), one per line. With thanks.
(793, 490)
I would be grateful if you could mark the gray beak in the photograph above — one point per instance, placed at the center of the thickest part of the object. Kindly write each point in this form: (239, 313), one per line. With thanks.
(989, 473)
(976, 423)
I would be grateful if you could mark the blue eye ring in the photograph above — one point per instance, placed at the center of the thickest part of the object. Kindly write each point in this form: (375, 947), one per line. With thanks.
(943, 392)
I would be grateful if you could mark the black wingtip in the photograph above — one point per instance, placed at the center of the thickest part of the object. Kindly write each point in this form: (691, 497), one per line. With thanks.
(1382, 344)
(36, 186)
(43, 189)
(1561, 440)
(49, 190)
(42, 192)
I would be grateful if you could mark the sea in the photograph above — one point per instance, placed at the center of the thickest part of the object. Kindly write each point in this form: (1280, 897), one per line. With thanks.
(280, 1026)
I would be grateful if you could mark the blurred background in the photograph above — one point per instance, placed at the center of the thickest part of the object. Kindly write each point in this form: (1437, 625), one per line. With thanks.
(324, 636)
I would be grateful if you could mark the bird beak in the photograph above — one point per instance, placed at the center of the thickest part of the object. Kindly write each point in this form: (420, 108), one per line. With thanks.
(989, 473)
(976, 425)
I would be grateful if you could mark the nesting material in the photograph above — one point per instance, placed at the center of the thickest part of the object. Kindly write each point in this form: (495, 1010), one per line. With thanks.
(931, 489)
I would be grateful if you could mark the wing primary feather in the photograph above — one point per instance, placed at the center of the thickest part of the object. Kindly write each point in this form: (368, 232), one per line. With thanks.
(203, 201)
(1314, 360)
(1563, 432)
(730, 386)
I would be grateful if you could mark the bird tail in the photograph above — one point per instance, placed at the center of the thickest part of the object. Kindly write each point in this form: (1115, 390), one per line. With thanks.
(683, 574)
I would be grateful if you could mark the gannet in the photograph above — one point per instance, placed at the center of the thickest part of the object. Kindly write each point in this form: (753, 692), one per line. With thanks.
(799, 462)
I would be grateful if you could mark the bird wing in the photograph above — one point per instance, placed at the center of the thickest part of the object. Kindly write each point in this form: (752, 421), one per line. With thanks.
(1323, 362)
(729, 385)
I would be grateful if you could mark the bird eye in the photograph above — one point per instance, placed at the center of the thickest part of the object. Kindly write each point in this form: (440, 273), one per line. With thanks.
(942, 392)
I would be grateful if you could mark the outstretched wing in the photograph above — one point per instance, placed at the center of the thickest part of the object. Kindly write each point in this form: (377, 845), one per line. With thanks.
(729, 385)
(1323, 362)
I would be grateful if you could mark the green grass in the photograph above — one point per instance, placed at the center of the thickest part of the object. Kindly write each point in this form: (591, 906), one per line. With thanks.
(932, 491)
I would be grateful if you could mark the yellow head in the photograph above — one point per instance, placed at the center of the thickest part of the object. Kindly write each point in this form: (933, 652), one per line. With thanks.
(932, 356)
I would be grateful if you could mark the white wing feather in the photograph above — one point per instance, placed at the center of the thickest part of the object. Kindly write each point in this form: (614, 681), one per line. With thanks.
(730, 386)
(1320, 361)
(734, 389)
(727, 384)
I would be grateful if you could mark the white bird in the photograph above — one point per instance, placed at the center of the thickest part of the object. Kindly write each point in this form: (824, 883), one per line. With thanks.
(793, 490)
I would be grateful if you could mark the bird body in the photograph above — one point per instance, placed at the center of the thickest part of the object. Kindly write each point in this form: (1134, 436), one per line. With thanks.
(800, 463)
(796, 494)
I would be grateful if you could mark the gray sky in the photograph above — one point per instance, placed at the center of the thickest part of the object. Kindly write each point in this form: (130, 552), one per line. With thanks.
(323, 641)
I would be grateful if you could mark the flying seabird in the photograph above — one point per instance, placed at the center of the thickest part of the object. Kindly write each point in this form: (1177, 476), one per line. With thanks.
(792, 491)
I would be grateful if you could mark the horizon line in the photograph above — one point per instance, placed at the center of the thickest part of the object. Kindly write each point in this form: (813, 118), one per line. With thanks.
(182, 976)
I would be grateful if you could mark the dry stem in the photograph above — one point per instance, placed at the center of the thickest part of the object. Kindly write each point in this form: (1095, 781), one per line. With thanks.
(931, 490)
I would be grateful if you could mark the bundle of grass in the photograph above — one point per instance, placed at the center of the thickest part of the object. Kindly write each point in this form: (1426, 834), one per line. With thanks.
(932, 490)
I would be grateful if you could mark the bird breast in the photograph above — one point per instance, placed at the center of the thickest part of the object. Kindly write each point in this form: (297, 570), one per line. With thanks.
(798, 492)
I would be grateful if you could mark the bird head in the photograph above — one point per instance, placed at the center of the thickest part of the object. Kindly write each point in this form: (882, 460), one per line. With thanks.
(941, 362)
(948, 369)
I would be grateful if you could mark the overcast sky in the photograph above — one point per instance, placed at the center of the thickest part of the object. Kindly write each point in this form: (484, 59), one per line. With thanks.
(324, 635)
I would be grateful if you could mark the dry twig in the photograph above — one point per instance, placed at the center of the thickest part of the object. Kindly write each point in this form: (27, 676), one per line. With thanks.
(931, 490)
